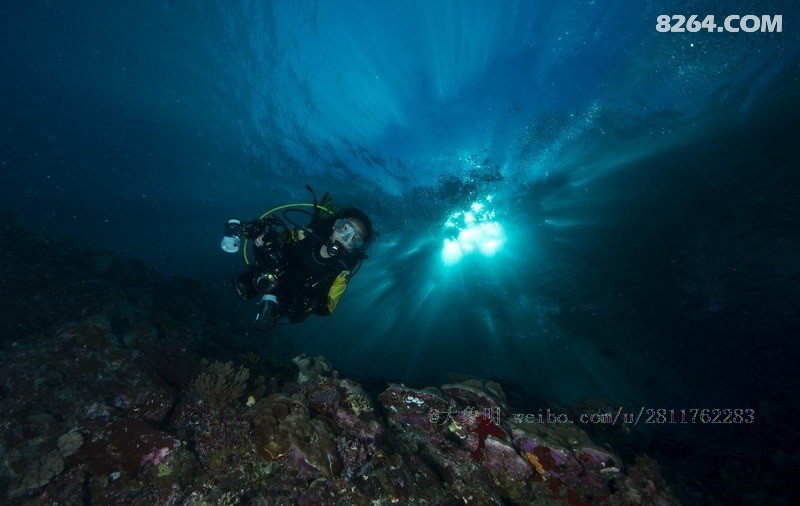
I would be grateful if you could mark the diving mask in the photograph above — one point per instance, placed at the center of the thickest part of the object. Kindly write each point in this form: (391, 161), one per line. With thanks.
(347, 233)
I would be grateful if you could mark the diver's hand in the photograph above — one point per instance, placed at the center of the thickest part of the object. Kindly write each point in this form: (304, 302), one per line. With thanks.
(252, 229)
(256, 230)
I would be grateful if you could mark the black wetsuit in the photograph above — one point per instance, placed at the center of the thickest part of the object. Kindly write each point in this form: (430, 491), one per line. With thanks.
(305, 280)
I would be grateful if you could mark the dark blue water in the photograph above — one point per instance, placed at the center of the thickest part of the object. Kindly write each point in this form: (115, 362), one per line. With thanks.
(643, 185)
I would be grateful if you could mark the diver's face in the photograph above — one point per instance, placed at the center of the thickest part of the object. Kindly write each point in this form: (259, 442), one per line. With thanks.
(349, 232)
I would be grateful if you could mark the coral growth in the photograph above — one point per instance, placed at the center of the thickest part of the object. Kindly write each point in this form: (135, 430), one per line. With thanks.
(530, 457)
(221, 385)
(359, 404)
(484, 427)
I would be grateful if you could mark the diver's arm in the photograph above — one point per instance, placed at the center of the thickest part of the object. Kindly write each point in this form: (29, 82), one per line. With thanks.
(252, 229)
(260, 231)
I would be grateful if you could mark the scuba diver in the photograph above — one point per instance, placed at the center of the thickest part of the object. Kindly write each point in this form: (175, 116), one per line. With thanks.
(300, 270)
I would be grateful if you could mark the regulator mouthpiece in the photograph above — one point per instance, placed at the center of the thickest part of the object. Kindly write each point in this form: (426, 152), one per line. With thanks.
(334, 248)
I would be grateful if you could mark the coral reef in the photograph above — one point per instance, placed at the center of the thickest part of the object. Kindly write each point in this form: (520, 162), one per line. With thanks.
(221, 385)
(319, 439)
(117, 405)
